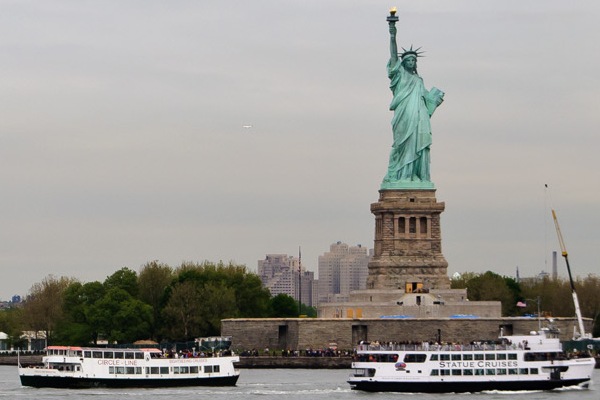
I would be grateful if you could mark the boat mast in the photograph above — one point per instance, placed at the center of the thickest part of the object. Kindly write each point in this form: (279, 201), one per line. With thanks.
(563, 249)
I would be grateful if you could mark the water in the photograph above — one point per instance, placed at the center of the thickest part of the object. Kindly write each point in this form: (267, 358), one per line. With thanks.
(272, 384)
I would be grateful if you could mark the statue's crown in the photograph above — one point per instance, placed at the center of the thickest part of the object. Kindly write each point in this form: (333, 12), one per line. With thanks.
(411, 52)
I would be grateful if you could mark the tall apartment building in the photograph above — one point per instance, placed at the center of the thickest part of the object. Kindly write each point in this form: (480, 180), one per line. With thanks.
(281, 274)
(341, 270)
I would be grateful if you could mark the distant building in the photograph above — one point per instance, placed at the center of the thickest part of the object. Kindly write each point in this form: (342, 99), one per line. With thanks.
(341, 270)
(281, 274)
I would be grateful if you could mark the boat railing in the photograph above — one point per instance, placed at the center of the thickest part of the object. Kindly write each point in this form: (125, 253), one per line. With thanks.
(435, 347)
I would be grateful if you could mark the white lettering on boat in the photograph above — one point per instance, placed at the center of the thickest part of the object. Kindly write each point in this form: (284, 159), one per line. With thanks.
(118, 362)
(478, 364)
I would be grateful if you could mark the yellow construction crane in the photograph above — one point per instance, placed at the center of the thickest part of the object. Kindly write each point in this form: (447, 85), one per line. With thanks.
(563, 250)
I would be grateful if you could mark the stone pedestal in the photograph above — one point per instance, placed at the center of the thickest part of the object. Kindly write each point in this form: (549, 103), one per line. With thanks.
(408, 242)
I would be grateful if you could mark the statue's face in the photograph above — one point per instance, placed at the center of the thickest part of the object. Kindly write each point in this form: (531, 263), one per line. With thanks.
(410, 63)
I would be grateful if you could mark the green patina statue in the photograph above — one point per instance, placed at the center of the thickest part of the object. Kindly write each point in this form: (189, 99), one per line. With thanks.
(413, 106)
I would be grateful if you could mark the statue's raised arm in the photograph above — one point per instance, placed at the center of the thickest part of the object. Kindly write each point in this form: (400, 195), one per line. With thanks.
(392, 19)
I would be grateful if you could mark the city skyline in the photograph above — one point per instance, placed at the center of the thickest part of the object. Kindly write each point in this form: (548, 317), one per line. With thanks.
(188, 131)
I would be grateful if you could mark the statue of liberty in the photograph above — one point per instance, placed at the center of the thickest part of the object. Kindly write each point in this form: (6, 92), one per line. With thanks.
(413, 106)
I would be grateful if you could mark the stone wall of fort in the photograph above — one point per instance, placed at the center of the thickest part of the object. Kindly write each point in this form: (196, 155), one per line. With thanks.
(319, 333)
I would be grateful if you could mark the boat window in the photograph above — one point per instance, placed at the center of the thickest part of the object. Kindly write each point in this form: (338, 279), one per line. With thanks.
(479, 372)
(456, 372)
(533, 371)
(444, 372)
(490, 356)
(154, 370)
(128, 355)
(130, 370)
(435, 372)
(78, 353)
(445, 357)
(540, 356)
(184, 370)
(139, 355)
(434, 357)
(164, 370)
(513, 371)
(119, 370)
(478, 356)
(193, 370)
(111, 370)
(456, 357)
(96, 354)
(109, 354)
(512, 356)
(415, 358)
(501, 371)
(87, 354)
(490, 371)
(523, 371)
(119, 354)
(468, 372)
(391, 358)
(217, 368)
(467, 357)
(501, 356)
(208, 369)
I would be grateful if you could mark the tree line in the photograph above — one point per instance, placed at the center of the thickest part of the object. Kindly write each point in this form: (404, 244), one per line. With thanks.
(179, 304)
(160, 303)
(554, 295)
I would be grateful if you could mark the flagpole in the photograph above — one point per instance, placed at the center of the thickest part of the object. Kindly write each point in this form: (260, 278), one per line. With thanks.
(539, 313)
(299, 281)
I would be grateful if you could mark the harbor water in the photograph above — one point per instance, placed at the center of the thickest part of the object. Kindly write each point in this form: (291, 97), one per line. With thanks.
(270, 384)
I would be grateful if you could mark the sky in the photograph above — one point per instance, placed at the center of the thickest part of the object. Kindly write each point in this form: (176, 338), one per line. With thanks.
(124, 131)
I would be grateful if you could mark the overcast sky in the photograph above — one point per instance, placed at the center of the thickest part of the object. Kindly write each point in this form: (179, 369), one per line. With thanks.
(122, 135)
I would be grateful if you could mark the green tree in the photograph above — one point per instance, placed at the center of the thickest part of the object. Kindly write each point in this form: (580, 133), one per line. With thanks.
(587, 292)
(11, 324)
(491, 286)
(187, 318)
(120, 317)
(43, 307)
(125, 279)
(77, 328)
(153, 281)
(283, 306)
(217, 303)
(182, 311)
(555, 297)
(310, 312)
(251, 297)
(461, 281)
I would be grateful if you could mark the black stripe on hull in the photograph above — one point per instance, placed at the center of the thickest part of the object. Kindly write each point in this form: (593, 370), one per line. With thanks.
(84, 383)
(462, 387)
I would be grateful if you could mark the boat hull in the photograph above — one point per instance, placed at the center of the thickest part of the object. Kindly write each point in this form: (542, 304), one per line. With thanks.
(464, 387)
(61, 382)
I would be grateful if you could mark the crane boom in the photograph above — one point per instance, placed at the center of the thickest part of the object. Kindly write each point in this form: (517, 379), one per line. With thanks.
(563, 250)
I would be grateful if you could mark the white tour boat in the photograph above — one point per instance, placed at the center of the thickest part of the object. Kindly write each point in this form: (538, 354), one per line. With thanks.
(529, 362)
(85, 367)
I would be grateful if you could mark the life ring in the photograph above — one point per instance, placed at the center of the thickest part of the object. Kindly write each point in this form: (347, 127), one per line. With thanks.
(400, 365)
